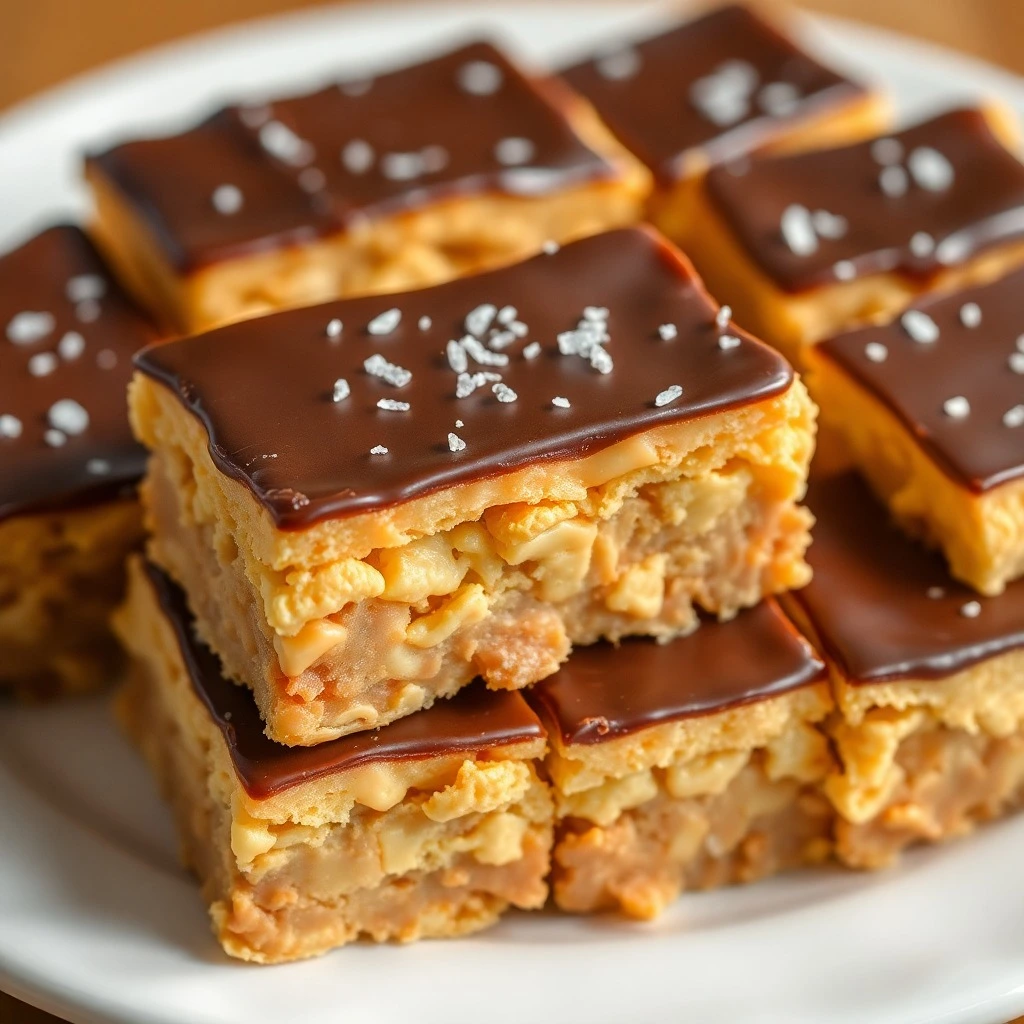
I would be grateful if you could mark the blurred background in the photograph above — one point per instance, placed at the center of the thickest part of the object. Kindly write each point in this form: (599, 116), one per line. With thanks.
(45, 41)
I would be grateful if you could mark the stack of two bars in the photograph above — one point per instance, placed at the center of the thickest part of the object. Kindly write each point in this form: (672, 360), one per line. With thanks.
(889, 270)
(364, 520)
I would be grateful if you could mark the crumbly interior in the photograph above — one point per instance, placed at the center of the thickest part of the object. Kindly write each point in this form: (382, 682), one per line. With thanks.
(925, 760)
(791, 322)
(939, 784)
(413, 249)
(981, 534)
(349, 625)
(434, 848)
(61, 575)
(672, 206)
(723, 798)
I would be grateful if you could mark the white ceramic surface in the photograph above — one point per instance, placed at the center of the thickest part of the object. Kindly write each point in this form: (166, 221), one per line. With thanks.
(97, 922)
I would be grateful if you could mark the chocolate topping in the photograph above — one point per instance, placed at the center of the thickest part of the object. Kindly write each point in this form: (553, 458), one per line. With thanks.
(67, 336)
(882, 606)
(265, 389)
(251, 179)
(476, 720)
(604, 692)
(977, 356)
(726, 84)
(929, 197)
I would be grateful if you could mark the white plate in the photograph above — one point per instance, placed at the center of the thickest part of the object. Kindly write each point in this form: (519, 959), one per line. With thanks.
(97, 922)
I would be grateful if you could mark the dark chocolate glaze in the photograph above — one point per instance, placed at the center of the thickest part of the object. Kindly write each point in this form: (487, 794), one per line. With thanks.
(914, 381)
(604, 692)
(476, 720)
(653, 112)
(262, 388)
(35, 476)
(418, 111)
(981, 208)
(868, 603)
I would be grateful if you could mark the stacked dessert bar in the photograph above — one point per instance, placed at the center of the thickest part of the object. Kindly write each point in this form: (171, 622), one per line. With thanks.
(488, 577)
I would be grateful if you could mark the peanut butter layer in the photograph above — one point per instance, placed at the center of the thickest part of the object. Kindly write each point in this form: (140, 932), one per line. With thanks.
(355, 406)
(69, 334)
(605, 692)
(883, 608)
(470, 724)
(251, 179)
(917, 202)
(722, 85)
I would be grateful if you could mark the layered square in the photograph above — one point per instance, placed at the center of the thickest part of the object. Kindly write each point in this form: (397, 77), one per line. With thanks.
(804, 246)
(407, 179)
(68, 514)
(713, 91)
(931, 406)
(370, 502)
(686, 765)
(930, 729)
(431, 827)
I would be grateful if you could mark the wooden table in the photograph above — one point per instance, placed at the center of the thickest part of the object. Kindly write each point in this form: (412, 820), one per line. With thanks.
(45, 41)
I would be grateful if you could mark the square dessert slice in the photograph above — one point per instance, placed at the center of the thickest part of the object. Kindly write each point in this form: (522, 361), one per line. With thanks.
(686, 765)
(431, 827)
(931, 406)
(373, 501)
(68, 461)
(407, 179)
(929, 733)
(804, 246)
(713, 91)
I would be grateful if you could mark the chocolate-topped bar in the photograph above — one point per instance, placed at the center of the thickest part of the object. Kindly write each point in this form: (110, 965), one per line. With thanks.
(930, 734)
(396, 181)
(713, 90)
(371, 501)
(430, 827)
(806, 245)
(931, 406)
(70, 463)
(688, 764)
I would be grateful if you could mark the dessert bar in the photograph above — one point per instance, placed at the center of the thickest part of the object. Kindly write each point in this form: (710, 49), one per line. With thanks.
(807, 245)
(394, 182)
(371, 502)
(68, 462)
(686, 765)
(713, 91)
(930, 406)
(430, 827)
(929, 732)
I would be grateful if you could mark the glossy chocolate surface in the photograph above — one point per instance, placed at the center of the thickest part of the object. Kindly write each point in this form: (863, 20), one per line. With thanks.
(263, 388)
(967, 195)
(462, 124)
(475, 720)
(869, 603)
(981, 362)
(604, 692)
(727, 84)
(67, 333)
